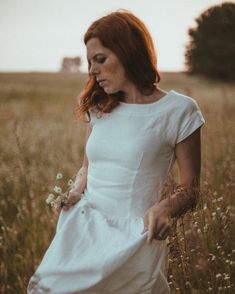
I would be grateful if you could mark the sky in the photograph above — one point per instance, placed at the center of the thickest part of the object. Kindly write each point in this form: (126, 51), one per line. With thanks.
(35, 35)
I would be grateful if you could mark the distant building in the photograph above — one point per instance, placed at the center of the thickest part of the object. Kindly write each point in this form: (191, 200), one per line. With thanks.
(71, 64)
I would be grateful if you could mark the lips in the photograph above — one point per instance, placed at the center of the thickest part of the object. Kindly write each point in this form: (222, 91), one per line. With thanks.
(99, 81)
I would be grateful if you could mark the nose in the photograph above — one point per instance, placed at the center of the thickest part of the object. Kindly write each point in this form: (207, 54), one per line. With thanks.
(93, 69)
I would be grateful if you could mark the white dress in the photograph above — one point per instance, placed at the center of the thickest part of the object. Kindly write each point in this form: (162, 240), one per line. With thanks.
(98, 247)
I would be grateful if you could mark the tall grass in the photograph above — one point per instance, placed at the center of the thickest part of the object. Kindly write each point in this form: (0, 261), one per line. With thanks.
(40, 137)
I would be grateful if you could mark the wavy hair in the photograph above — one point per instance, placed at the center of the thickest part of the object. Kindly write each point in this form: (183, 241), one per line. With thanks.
(127, 37)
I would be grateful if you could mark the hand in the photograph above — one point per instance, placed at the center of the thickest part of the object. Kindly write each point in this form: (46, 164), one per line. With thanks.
(73, 197)
(157, 221)
(65, 202)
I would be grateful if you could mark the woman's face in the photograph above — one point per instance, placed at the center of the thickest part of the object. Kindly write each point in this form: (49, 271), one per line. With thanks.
(106, 67)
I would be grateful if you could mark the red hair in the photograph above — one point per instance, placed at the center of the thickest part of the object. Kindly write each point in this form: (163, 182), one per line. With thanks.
(128, 37)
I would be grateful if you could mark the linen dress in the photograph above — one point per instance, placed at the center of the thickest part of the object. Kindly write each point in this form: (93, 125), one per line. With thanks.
(98, 247)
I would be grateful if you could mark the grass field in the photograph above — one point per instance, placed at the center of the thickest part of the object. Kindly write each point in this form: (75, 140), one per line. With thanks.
(40, 137)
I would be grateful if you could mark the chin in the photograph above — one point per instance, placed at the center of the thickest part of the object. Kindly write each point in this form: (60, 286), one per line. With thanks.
(111, 90)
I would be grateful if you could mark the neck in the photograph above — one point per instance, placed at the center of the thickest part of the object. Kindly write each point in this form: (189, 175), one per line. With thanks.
(133, 95)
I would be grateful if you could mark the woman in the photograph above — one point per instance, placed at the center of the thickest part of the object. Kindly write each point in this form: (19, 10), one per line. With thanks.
(112, 234)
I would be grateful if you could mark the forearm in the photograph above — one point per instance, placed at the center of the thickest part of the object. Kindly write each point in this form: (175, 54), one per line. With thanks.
(182, 200)
(80, 180)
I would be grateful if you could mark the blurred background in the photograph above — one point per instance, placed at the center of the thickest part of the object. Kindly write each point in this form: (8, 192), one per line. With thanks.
(43, 69)
(37, 35)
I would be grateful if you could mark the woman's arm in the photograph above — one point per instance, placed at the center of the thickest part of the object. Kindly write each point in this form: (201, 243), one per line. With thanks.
(81, 178)
(158, 218)
(188, 157)
(85, 159)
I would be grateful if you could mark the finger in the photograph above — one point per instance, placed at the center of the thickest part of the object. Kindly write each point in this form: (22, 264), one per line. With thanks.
(73, 199)
(55, 215)
(56, 212)
(160, 235)
(70, 199)
(163, 232)
(151, 230)
(159, 229)
(66, 205)
(145, 228)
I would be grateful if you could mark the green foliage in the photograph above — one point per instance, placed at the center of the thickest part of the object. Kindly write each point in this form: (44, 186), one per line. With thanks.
(211, 50)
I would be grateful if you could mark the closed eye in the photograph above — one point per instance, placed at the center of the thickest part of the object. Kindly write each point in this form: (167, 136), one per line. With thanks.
(101, 60)
(98, 60)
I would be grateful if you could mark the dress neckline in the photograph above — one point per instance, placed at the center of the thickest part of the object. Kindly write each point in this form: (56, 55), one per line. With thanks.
(142, 107)
(143, 104)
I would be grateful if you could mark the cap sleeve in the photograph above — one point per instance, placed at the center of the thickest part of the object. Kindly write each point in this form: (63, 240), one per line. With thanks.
(188, 119)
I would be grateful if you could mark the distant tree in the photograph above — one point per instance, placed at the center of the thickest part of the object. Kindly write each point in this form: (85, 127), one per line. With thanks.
(211, 50)
(71, 64)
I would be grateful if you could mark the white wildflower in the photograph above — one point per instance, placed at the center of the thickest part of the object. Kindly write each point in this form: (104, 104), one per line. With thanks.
(218, 275)
(59, 176)
(70, 182)
(213, 257)
(57, 189)
(206, 226)
(50, 198)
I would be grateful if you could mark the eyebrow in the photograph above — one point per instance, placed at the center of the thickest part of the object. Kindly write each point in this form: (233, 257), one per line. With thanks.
(95, 56)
